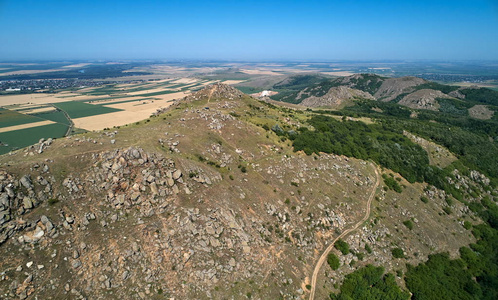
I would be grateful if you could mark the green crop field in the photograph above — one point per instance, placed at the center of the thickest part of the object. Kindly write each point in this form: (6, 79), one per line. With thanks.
(24, 137)
(56, 116)
(13, 118)
(77, 109)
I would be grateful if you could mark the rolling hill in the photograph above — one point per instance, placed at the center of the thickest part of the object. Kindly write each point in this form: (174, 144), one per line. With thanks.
(222, 196)
(412, 92)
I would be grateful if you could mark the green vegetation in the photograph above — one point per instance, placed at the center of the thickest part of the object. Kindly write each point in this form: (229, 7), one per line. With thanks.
(333, 261)
(385, 146)
(52, 201)
(370, 283)
(342, 246)
(249, 89)
(408, 224)
(95, 70)
(474, 150)
(473, 276)
(442, 278)
(454, 106)
(24, 137)
(391, 183)
(299, 82)
(56, 116)
(13, 118)
(437, 86)
(397, 253)
(369, 83)
(481, 95)
(80, 109)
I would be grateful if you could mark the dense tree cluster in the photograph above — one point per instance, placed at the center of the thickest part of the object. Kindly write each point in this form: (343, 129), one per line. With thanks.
(370, 283)
(383, 145)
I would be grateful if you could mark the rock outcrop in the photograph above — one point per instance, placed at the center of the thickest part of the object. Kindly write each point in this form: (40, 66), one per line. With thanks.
(336, 97)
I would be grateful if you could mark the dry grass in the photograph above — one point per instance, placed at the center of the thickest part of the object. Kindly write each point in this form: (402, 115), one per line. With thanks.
(23, 72)
(24, 126)
(77, 65)
(481, 112)
(29, 98)
(40, 110)
(339, 73)
(232, 82)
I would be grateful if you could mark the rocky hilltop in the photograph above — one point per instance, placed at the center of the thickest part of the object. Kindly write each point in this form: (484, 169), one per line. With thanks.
(201, 201)
(336, 97)
(216, 91)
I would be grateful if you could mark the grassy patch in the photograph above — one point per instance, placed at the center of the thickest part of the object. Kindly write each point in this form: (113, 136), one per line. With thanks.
(24, 137)
(342, 246)
(391, 183)
(333, 261)
(80, 109)
(13, 118)
(56, 116)
(398, 253)
(408, 224)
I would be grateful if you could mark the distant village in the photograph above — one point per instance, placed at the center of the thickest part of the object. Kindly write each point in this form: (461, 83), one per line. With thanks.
(48, 85)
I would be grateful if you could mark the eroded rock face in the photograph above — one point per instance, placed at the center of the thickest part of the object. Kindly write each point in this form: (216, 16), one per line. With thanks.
(423, 99)
(336, 97)
(393, 87)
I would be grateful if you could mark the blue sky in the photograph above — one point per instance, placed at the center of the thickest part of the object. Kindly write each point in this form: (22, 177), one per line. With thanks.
(249, 30)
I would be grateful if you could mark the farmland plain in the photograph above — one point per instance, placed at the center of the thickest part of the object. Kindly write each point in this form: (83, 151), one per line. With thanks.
(61, 113)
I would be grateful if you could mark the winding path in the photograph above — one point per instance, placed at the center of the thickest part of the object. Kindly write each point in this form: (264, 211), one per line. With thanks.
(71, 123)
(325, 253)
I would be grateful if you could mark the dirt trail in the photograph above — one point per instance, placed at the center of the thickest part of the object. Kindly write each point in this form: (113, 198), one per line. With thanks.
(325, 253)
(211, 93)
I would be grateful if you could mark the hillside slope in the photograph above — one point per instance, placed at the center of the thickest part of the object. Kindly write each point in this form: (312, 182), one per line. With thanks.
(412, 92)
(204, 201)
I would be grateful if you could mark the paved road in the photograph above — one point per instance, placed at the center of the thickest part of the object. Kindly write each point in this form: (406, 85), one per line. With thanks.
(325, 253)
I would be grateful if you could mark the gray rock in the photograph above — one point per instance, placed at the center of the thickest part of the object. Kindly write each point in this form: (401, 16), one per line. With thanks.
(4, 217)
(135, 153)
(10, 191)
(135, 247)
(44, 219)
(76, 264)
(28, 203)
(4, 200)
(26, 182)
(125, 275)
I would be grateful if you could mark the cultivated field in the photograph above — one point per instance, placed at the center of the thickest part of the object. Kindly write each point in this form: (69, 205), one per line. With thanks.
(24, 119)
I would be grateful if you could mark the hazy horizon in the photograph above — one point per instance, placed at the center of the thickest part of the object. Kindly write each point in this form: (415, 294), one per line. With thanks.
(249, 30)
